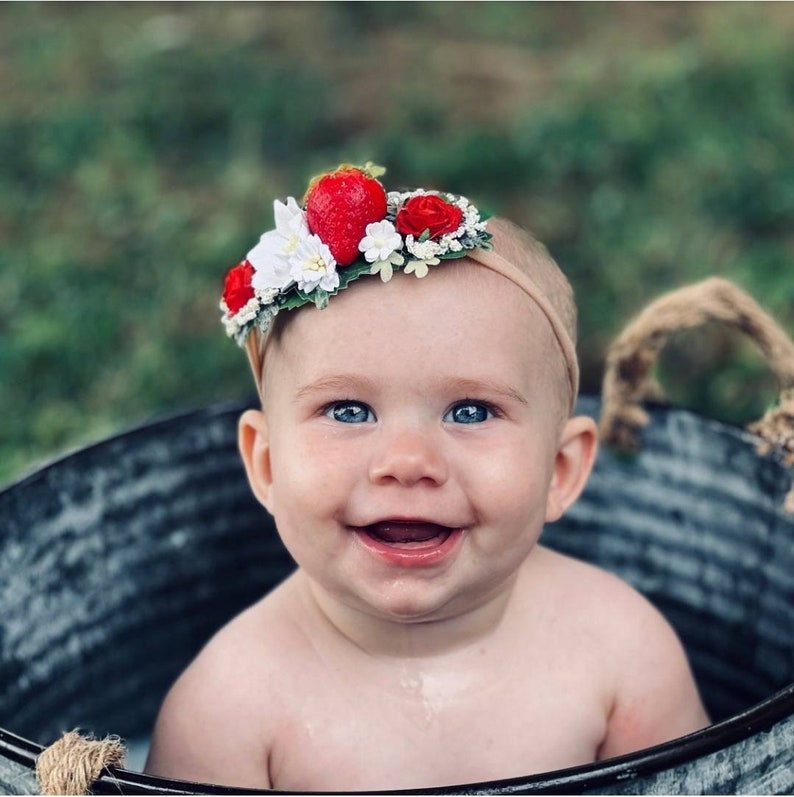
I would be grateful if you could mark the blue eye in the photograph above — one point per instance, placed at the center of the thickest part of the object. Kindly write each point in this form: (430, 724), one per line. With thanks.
(350, 412)
(469, 412)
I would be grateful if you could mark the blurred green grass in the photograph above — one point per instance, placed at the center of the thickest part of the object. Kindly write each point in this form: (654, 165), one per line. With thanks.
(142, 145)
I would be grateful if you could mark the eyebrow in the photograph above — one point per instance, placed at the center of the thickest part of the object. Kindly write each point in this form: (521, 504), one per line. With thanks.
(338, 383)
(475, 388)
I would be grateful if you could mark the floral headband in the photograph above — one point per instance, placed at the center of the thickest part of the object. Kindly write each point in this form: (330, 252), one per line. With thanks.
(348, 227)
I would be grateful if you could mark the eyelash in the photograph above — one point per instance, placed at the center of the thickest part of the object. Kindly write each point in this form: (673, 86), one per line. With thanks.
(493, 411)
(328, 409)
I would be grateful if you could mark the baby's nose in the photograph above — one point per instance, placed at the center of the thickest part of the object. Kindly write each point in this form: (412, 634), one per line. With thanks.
(408, 456)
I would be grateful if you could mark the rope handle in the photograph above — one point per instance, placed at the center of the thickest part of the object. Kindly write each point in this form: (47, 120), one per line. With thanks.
(628, 380)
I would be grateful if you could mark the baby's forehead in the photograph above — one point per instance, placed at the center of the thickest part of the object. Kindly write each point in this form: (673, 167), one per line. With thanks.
(453, 306)
(461, 306)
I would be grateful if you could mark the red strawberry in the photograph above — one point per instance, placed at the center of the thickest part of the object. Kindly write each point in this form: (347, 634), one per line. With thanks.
(340, 205)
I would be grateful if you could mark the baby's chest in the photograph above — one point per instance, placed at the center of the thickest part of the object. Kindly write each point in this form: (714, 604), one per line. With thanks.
(370, 741)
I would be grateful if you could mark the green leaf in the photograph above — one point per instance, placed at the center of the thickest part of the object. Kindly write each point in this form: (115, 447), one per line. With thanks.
(373, 170)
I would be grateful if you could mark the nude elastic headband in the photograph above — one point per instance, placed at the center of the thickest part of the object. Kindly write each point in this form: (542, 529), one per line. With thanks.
(495, 262)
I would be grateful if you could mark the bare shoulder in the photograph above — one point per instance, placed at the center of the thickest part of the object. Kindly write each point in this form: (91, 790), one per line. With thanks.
(604, 600)
(219, 718)
(600, 598)
(653, 694)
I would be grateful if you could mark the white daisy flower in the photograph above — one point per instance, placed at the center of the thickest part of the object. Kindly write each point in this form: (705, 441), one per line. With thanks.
(313, 265)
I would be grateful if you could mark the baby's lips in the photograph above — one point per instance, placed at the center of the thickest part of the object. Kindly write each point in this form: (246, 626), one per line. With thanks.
(409, 544)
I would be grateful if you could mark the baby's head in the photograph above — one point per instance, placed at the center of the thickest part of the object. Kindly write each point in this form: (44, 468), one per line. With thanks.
(417, 427)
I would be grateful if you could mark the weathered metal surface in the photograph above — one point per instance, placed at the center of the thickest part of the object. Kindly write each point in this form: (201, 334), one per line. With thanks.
(118, 562)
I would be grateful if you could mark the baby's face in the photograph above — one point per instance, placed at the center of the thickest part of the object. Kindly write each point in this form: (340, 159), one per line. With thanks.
(413, 429)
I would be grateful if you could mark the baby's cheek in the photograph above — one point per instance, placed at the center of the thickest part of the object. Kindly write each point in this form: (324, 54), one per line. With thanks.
(307, 472)
(512, 493)
(510, 470)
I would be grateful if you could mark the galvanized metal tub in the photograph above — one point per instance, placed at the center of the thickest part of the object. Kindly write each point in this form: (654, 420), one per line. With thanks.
(118, 562)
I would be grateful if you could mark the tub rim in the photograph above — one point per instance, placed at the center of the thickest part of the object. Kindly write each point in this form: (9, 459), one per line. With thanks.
(630, 767)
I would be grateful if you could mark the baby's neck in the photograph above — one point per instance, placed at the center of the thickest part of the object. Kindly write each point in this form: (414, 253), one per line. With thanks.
(397, 638)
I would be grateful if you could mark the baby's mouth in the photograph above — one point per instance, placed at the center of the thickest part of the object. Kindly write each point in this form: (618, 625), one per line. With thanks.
(408, 534)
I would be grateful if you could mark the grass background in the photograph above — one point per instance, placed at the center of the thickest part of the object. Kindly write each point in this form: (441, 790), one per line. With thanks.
(142, 145)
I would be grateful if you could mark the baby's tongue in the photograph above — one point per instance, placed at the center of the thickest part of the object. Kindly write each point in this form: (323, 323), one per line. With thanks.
(396, 532)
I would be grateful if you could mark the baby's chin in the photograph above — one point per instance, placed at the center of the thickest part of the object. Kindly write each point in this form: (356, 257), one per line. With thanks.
(413, 580)
(412, 606)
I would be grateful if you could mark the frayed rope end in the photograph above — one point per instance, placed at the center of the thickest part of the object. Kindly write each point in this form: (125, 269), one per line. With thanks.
(71, 764)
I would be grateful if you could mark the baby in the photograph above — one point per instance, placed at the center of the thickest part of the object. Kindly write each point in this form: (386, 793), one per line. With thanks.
(414, 437)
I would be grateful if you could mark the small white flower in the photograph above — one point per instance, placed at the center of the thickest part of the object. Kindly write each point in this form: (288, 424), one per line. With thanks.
(236, 323)
(393, 202)
(267, 295)
(380, 242)
(313, 265)
(424, 250)
(230, 325)
(248, 312)
(450, 242)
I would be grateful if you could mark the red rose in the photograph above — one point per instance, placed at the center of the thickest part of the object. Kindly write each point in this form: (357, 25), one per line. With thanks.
(237, 289)
(428, 212)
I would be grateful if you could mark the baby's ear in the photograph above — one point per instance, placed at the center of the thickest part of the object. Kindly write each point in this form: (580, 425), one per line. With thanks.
(572, 465)
(255, 450)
